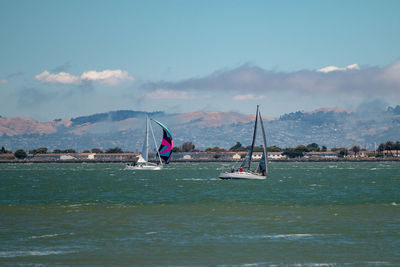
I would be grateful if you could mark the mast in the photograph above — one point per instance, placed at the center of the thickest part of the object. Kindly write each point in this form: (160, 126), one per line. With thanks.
(265, 152)
(155, 144)
(247, 161)
(145, 150)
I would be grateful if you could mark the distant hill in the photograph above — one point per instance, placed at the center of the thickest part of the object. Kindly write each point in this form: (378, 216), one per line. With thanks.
(331, 127)
(118, 115)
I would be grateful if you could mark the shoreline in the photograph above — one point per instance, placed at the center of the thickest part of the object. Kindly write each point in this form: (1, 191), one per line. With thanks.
(25, 161)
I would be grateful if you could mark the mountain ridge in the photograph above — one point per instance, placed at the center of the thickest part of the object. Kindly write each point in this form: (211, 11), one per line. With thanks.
(124, 128)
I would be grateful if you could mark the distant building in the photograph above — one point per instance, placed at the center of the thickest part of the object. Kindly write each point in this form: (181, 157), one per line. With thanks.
(236, 156)
(83, 156)
(366, 154)
(391, 153)
(276, 155)
(115, 156)
(206, 155)
(7, 156)
(271, 155)
(321, 155)
(66, 157)
(256, 155)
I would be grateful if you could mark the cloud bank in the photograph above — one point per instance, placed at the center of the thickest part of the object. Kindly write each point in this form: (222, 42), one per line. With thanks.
(106, 77)
(247, 97)
(168, 94)
(331, 80)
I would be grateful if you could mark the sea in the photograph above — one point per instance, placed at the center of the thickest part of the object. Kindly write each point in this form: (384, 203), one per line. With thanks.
(303, 214)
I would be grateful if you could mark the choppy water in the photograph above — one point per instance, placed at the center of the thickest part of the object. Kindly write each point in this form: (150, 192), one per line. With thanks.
(304, 214)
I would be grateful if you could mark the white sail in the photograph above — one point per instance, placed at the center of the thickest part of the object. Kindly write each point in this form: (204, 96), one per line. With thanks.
(145, 150)
(154, 139)
(263, 165)
(141, 159)
(247, 160)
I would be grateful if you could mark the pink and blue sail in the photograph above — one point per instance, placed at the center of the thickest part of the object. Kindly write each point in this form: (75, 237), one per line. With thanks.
(167, 143)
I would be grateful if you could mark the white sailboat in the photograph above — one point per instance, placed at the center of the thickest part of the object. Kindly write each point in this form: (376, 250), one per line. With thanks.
(245, 171)
(163, 153)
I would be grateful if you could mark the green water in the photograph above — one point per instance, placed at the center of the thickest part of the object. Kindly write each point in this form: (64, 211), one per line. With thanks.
(304, 214)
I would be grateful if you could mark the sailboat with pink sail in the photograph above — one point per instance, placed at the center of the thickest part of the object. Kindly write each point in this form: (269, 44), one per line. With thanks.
(164, 152)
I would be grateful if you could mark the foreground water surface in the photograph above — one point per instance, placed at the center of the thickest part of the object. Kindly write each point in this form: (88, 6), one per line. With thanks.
(304, 214)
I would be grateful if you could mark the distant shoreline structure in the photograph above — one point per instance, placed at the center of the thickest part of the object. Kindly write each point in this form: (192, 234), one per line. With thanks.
(200, 156)
(25, 161)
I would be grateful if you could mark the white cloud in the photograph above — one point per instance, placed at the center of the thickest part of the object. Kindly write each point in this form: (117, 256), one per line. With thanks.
(247, 97)
(334, 68)
(3, 81)
(107, 77)
(168, 94)
(61, 77)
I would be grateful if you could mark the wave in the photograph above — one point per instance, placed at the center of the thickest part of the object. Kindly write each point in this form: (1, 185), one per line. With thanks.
(193, 179)
(151, 233)
(50, 235)
(289, 236)
(279, 236)
(28, 253)
(311, 264)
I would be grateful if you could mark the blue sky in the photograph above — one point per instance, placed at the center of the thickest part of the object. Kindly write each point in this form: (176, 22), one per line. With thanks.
(62, 59)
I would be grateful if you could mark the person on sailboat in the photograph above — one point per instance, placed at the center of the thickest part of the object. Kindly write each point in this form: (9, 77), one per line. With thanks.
(233, 169)
(241, 169)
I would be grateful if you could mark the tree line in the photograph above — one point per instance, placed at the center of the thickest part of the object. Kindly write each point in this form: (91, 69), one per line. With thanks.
(291, 152)
(294, 152)
(389, 146)
(21, 154)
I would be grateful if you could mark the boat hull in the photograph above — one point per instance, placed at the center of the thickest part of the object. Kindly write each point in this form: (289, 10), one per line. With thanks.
(241, 175)
(143, 167)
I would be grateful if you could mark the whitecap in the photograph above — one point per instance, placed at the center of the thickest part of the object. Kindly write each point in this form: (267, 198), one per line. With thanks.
(288, 236)
(43, 236)
(312, 264)
(151, 233)
(27, 253)
(49, 235)
(192, 179)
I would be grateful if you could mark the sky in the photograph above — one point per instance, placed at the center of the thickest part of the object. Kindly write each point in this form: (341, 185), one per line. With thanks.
(63, 59)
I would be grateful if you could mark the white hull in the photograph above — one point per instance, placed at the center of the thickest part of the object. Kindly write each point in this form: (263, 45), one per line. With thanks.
(241, 175)
(143, 167)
